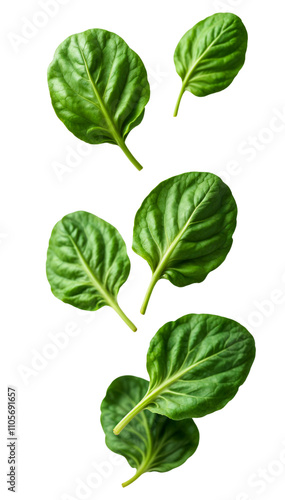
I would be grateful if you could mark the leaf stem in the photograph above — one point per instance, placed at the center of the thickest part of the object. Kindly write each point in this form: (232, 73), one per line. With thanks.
(178, 101)
(132, 479)
(152, 284)
(128, 154)
(135, 411)
(121, 313)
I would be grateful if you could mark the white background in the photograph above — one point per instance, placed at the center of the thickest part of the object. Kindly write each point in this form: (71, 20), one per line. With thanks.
(242, 449)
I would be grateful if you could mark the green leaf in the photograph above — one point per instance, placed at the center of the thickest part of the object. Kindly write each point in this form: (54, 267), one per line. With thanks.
(87, 263)
(150, 442)
(184, 228)
(98, 88)
(210, 55)
(196, 365)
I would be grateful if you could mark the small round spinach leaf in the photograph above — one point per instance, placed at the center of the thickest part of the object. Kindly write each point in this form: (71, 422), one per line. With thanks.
(184, 228)
(87, 263)
(150, 442)
(210, 55)
(98, 88)
(196, 365)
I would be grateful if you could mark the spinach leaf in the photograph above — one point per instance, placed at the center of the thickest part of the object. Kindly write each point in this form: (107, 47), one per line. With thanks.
(184, 228)
(150, 442)
(210, 55)
(87, 263)
(99, 88)
(196, 365)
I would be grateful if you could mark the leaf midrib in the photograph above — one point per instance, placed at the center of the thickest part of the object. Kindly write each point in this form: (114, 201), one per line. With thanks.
(188, 74)
(178, 375)
(155, 446)
(163, 262)
(112, 127)
(99, 286)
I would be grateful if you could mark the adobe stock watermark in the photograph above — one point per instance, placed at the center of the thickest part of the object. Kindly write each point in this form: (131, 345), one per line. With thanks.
(74, 155)
(156, 77)
(96, 477)
(266, 307)
(226, 4)
(260, 480)
(41, 358)
(3, 237)
(255, 144)
(32, 26)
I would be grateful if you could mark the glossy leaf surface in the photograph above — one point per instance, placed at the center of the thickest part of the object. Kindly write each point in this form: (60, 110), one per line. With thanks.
(196, 365)
(150, 442)
(98, 88)
(210, 55)
(87, 263)
(184, 228)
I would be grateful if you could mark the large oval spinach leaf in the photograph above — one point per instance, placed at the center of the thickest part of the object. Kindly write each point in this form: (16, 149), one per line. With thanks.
(87, 263)
(98, 88)
(196, 365)
(150, 442)
(184, 228)
(210, 55)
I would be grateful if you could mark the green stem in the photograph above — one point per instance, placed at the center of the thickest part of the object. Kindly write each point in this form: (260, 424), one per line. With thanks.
(152, 284)
(137, 474)
(178, 101)
(128, 322)
(128, 154)
(135, 411)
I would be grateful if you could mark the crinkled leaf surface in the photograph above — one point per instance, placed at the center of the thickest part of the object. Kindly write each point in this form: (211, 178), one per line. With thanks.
(196, 365)
(210, 55)
(98, 87)
(150, 442)
(87, 262)
(184, 228)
